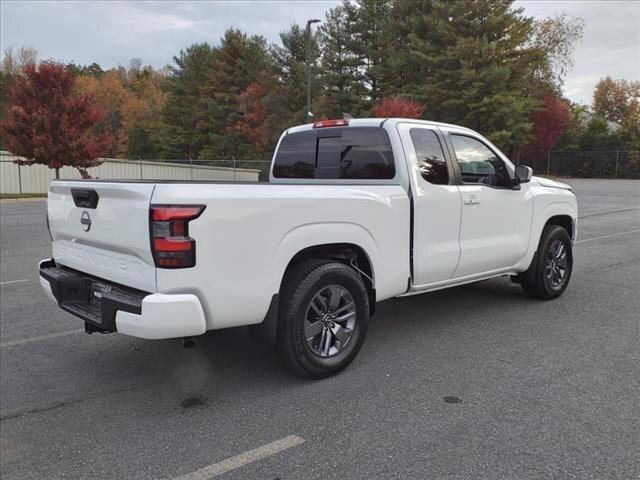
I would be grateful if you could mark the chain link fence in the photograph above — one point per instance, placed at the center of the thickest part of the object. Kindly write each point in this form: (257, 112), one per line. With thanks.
(582, 164)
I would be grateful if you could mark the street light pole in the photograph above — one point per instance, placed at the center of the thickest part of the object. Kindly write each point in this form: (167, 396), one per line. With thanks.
(309, 22)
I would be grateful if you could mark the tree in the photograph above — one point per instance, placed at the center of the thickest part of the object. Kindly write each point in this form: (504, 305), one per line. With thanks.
(141, 141)
(290, 61)
(398, 107)
(630, 131)
(238, 62)
(598, 135)
(475, 66)
(549, 122)
(574, 128)
(93, 70)
(185, 109)
(6, 82)
(49, 124)
(408, 48)
(253, 120)
(556, 38)
(343, 90)
(141, 108)
(355, 39)
(369, 22)
(616, 99)
(15, 62)
(13, 65)
(110, 93)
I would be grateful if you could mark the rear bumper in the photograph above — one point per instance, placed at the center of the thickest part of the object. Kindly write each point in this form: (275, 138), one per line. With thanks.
(109, 307)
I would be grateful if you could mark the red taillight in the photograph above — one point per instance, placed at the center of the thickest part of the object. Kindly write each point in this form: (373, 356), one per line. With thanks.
(331, 123)
(175, 213)
(171, 245)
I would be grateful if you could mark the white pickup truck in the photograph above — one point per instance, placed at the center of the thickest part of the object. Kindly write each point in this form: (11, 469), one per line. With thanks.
(355, 212)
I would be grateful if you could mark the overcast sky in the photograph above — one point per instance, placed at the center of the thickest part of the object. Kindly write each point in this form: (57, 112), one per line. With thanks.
(112, 32)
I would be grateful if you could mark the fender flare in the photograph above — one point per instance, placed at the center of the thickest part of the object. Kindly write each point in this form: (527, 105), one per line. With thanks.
(294, 242)
(318, 234)
(553, 209)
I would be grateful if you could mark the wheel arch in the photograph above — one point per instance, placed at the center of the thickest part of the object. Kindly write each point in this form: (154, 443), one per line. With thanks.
(342, 242)
(345, 253)
(563, 220)
(534, 280)
(349, 254)
(556, 213)
(325, 240)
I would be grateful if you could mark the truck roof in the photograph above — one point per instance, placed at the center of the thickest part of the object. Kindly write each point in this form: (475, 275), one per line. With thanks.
(378, 122)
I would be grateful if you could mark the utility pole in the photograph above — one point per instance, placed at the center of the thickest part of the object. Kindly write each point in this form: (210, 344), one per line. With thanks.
(309, 22)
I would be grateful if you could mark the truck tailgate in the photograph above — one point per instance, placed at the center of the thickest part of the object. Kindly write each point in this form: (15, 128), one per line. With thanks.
(104, 231)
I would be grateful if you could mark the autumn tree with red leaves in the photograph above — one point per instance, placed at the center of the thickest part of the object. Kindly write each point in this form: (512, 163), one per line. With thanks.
(254, 114)
(398, 107)
(549, 122)
(49, 123)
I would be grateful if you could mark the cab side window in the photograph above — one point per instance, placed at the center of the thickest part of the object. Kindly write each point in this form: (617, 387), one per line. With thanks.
(478, 164)
(430, 156)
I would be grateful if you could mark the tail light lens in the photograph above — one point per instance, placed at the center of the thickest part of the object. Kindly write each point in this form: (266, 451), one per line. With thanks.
(171, 245)
(343, 122)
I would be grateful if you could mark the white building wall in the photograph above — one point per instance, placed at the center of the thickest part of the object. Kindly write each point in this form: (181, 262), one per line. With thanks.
(35, 178)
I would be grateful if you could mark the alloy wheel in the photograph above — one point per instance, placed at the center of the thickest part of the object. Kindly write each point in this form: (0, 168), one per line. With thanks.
(555, 269)
(329, 321)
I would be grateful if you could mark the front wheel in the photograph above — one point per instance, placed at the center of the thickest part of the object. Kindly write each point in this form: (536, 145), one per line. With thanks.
(324, 309)
(550, 271)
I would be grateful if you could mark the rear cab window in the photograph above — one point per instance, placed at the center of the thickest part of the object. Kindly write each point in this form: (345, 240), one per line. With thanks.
(338, 153)
(432, 163)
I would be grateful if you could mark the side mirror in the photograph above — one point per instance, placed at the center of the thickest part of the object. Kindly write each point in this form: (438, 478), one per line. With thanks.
(523, 173)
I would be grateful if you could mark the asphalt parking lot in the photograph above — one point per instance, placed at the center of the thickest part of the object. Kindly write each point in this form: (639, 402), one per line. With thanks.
(475, 382)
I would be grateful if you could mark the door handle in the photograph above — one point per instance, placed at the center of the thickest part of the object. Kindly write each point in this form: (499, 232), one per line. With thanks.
(472, 200)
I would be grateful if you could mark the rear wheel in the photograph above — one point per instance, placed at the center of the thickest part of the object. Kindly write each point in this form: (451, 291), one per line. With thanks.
(323, 317)
(550, 271)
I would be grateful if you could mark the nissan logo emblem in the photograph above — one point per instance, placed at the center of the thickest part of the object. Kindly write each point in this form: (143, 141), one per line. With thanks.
(85, 221)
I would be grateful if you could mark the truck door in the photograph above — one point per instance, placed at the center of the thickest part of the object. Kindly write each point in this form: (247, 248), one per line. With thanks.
(495, 227)
(437, 203)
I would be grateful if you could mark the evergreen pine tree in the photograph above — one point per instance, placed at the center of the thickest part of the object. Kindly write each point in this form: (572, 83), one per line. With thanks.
(291, 67)
(181, 134)
(238, 62)
(475, 64)
(370, 43)
(340, 67)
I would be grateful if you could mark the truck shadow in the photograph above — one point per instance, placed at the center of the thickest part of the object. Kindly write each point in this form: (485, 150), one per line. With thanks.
(229, 357)
(227, 365)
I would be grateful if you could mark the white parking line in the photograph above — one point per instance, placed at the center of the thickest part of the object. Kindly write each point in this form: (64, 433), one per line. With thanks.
(24, 341)
(607, 236)
(9, 282)
(243, 459)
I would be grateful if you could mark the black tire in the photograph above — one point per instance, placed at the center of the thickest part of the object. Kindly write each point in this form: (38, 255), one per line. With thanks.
(540, 280)
(307, 282)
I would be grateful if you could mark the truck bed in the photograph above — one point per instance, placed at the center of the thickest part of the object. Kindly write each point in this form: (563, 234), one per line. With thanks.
(245, 237)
